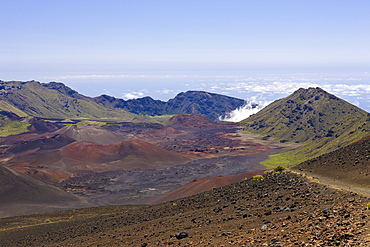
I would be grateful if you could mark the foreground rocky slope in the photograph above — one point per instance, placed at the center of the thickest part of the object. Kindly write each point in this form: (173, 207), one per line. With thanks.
(284, 209)
(347, 167)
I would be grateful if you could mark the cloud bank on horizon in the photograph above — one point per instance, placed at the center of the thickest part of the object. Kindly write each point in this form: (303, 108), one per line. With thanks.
(259, 89)
(353, 87)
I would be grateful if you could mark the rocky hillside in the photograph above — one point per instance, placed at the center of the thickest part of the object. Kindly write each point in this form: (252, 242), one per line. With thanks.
(207, 104)
(320, 121)
(46, 100)
(145, 106)
(284, 209)
(345, 167)
(56, 100)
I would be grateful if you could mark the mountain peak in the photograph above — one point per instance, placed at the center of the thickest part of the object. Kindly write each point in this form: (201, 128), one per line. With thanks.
(310, 115)
(306, 114)
(312, 92)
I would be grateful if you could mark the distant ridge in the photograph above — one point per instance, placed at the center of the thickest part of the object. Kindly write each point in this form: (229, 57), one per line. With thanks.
(56, 100)
(211, 105)
(52, 100)
(320, 121)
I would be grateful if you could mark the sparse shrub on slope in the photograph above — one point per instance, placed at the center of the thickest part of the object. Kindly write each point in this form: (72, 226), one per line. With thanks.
(258, 178)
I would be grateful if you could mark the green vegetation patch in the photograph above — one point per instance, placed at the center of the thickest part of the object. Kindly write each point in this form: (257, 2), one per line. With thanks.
(13, 129)
(91, 123)
(258, 178)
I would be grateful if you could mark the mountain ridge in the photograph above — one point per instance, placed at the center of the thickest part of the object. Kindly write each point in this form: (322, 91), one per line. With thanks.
(211, 105)
(314, 118)
(56, 100)
(39, 100)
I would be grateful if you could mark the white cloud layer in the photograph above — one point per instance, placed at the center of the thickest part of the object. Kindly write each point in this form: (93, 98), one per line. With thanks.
(250, 108)
(351, 86)
(133, 95)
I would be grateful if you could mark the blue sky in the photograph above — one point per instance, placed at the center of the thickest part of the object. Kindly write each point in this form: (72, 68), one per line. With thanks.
(124, 47)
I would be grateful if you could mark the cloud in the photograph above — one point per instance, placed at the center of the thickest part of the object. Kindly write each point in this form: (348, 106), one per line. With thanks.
(133, 76)
(133, 95)
(167, 91)
(250, 108)
(288, 86)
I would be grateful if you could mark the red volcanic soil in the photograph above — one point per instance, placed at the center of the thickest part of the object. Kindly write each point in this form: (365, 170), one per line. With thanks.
(200, 185)
(40, 142)
(191, 121)
(127, 154)
(92, 134)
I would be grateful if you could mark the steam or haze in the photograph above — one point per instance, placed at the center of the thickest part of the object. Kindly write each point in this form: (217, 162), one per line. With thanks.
(245, 111)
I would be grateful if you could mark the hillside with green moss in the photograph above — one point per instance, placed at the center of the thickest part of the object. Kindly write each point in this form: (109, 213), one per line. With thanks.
(319, 121)
(35, 99)
(11, 123)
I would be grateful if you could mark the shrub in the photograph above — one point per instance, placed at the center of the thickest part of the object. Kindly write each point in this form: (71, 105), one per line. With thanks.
(279, 168)
(368, 206)
(257, 178)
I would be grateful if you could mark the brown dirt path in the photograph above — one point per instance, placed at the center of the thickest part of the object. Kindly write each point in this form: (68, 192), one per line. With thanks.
(334, 183)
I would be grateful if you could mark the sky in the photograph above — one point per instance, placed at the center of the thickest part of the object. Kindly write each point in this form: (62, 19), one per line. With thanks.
(249, 49)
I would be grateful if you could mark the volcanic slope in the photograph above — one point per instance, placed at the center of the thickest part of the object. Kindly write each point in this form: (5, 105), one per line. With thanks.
(36, 99)
(347, 167)
(87, 156)
(123, 155)
(202, 184)
(320, 121)
(21, 194)
(37, 140)
(92, 134)
(284, 209)
(191, 121)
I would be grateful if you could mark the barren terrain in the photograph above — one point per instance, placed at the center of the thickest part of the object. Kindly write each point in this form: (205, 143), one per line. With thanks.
(284, 209)
(130, 163)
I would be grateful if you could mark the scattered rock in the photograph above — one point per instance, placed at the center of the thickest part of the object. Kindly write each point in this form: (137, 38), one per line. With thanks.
(182, 235)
